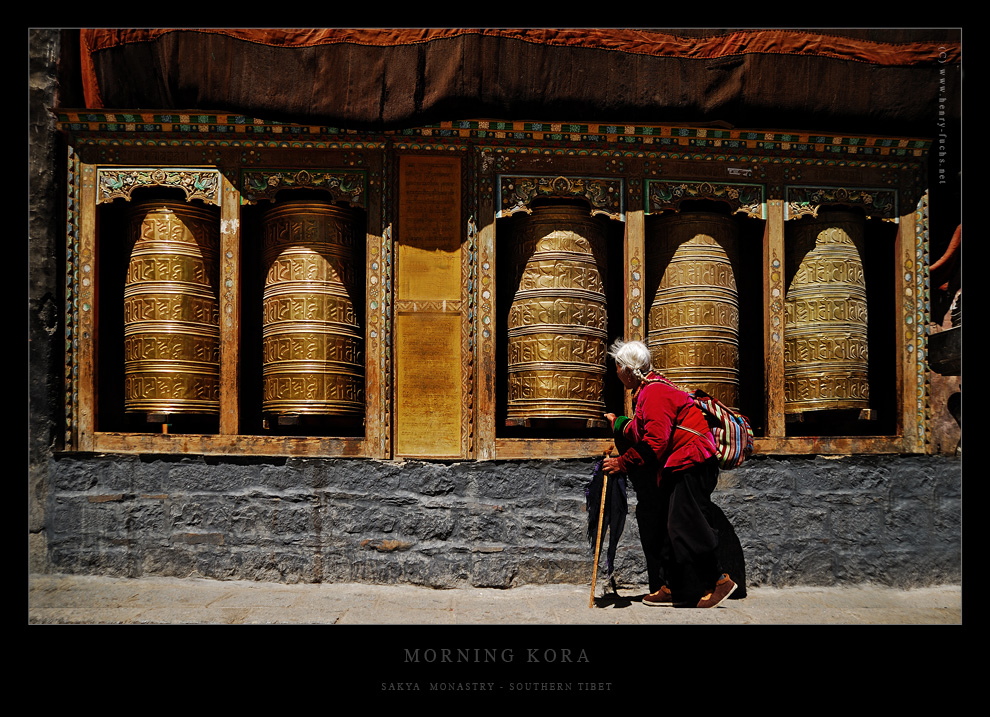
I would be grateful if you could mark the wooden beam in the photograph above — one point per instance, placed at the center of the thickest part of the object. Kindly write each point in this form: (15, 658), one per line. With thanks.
(545, 448)
(215, 444)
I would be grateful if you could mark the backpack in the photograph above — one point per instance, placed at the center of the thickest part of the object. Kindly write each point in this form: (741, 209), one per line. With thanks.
(732, 433)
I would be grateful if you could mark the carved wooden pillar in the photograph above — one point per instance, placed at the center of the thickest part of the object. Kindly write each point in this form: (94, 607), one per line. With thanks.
(773, 326)
(230, 308)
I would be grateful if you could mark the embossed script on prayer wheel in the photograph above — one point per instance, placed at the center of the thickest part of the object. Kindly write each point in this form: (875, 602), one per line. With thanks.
(694, 319)
(825, 337)
(171, 310)
(557, 321)
(312, 339)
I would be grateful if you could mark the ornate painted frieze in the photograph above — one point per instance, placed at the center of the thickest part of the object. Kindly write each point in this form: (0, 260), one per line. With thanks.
(668, 195)
(114, 130)
(876, 203)
(516, 192)
(264, 184)
(113, 183)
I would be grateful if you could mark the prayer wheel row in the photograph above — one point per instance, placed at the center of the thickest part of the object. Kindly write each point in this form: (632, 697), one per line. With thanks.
(312, 353)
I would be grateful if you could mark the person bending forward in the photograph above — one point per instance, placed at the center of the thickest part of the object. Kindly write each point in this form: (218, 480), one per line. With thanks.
(671, 462)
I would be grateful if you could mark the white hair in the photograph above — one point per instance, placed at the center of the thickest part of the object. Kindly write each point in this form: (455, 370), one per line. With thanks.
(634, 355)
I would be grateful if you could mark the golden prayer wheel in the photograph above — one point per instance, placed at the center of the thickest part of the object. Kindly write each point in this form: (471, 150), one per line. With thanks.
(825, 329)
(557, 321)
(171, 310)
(311, 332)
(694, 319)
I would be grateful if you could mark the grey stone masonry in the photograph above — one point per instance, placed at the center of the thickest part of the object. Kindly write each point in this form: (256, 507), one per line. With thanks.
(891, 520)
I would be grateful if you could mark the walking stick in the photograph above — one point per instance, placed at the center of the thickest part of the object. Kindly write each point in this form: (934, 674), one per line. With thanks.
(598, 538)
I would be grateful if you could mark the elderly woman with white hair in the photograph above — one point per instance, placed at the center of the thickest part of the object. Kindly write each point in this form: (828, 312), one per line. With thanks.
(670, 457)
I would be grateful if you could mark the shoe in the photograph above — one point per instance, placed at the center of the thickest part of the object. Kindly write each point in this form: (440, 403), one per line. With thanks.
(660, 598)
(723, 588)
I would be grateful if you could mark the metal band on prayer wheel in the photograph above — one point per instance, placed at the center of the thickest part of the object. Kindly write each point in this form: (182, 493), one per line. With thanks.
(171, 310)
(557, 321)
(825, 332)
(312, 339)
(694, 319)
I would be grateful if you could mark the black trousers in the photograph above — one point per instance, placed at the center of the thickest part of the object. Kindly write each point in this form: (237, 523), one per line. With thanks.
(675, 530)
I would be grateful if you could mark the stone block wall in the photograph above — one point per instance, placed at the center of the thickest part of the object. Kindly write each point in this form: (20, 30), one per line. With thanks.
(800, 521)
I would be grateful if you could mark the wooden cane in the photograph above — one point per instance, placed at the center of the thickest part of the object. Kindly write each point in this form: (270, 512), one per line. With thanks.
(598, 538)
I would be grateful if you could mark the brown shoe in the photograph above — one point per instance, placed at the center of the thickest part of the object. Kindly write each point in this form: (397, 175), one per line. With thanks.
(723, 588)
(660, 598)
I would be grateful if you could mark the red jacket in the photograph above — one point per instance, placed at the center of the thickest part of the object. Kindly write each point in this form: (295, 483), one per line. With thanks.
(655, 440)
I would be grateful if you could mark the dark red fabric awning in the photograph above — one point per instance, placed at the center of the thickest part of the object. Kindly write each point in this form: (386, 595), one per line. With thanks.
(878, 81)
